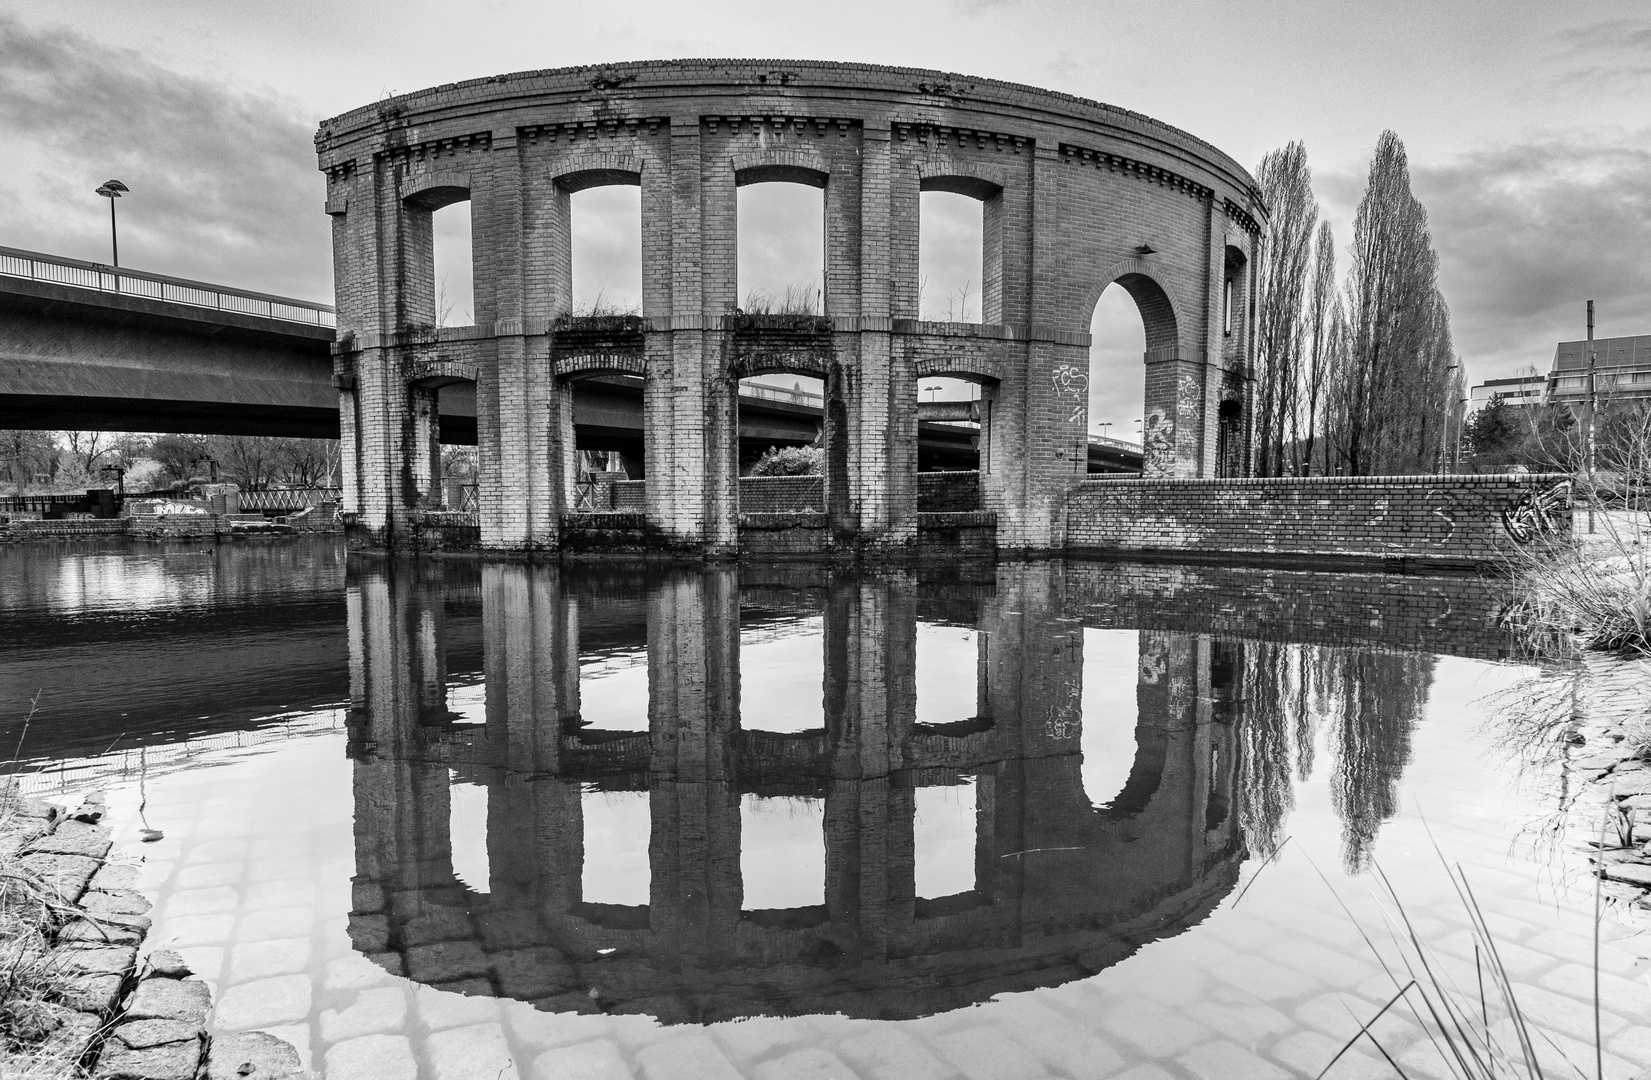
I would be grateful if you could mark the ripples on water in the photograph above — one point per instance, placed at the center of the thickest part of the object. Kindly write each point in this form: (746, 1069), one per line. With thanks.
(993, 822)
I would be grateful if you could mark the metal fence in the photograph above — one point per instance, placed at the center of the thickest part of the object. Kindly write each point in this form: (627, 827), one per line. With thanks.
(35, 266)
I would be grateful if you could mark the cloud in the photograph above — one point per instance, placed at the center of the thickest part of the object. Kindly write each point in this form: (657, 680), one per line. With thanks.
(1528, 232)
(224, 184)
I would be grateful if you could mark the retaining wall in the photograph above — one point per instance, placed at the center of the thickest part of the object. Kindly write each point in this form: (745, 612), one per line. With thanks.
(948, 492)
(1442, 521)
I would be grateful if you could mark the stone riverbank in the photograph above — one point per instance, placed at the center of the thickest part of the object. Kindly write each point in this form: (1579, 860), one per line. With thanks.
(1613, 716)
(120, 1019)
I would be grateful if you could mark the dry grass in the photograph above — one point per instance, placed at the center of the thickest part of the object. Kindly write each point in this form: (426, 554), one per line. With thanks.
(30, 979)
(1593, 589)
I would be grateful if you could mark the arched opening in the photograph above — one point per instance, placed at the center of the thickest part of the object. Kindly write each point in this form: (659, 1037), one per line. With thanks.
(605, 237)
(781, 671)
(943, 840)
(782, 853)
(617, 829)
(1117, 383)
(1133, 383)
(467, 826)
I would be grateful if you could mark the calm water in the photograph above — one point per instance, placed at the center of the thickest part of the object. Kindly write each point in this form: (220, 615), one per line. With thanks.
(458, 820)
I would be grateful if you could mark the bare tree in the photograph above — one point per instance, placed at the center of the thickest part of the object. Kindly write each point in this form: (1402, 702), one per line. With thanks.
(1287, 186)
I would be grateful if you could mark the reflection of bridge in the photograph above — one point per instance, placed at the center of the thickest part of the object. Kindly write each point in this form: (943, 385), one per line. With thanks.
(1061, 887)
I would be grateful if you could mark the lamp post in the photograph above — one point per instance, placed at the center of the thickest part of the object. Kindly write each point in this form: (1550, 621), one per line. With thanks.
(111, 190)
(1444, 428)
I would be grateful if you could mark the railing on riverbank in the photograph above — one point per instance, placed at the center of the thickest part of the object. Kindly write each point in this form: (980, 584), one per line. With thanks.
(79, 274)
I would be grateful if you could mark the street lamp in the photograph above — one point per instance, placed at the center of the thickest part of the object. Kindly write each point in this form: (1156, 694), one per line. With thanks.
(1103, 425)
(111, 190)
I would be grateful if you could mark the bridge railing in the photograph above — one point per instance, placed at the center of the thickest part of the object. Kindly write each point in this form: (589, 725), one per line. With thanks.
(14, 262)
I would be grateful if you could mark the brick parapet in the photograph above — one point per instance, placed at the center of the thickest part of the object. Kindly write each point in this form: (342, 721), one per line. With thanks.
(1452, 520)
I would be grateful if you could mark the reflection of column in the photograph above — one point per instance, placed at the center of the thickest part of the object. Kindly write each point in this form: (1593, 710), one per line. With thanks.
(693, 687)
(871, 709)
(403, 850)
(525, 619)
(1036, 800)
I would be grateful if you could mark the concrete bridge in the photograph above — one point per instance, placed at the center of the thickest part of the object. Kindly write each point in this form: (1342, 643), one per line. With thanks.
(1075, 196)
(85, 346)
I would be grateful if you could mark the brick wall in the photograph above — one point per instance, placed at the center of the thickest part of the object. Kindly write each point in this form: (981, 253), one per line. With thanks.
(948, 492)
(781, 494)
(1072, 192)
(1426, 519)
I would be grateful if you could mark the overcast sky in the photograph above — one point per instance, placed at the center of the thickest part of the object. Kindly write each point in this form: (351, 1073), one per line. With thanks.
(1526, 122)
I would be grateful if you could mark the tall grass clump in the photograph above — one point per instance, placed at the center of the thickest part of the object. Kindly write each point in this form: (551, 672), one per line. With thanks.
(1469, 1012)
(31, 982)
(1591, 584)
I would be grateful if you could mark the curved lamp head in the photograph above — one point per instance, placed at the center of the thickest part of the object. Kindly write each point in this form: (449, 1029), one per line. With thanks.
(112, 189)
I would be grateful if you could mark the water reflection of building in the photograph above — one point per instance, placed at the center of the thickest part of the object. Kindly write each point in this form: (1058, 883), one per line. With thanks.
(1061, 888)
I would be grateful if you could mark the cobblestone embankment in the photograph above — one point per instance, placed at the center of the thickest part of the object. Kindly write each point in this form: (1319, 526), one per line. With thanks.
(126, 1023)
(1614, 695)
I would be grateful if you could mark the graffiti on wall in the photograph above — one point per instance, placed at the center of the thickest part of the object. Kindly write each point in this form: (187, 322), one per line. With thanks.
(1158, 444)
(1538, 513)
(1072, 392)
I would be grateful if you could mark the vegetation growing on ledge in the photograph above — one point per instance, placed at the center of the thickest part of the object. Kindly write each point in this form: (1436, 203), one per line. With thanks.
(31, 981)
(790, 461)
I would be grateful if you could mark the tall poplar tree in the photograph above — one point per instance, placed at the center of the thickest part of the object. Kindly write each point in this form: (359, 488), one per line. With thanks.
(1287, 188)
(1391, 392)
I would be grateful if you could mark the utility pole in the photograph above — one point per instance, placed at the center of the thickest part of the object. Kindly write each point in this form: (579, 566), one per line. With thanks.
(1588, 430)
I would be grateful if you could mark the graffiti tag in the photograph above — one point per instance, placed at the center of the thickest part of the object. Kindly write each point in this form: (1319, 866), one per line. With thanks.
(1538, 513)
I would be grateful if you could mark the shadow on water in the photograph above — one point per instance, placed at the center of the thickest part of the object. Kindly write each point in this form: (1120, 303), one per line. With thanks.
(723, 842)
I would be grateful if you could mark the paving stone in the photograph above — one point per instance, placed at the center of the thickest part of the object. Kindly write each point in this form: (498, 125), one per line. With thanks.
(168, 965)
(97, 959)
(1264, 979)
(74, 838)
(170, 999)
(1146, 1071)
(67, 875)
(1223, 1060)
(353, 972)
(598, 1060)
(92, 993)
(106, 903)
(439, 1009)
(279, 894)
(688, 1057)
(810, 1063)
(207, 875)
(275, 923)
(1633, 1044)
(207, 960)
(298, 1037)
(170, 1061)
(373, 1011)
(142, 1034)
(74, 1034)
(261, 959)
(1307, 1053)
(982, 1052)
(219, 851)
(263, 1002)
(478, 1052)
(1558, 1012)
(97, 931)
(1245, 1021)
(115, 877)
(202, 901)
(1151, 1028)
(253, 1054)
(370, 933)
(372, 1057)
(888, 1053)
(763, 1037)
(446, 961)
(1627, 997)
(199, 929)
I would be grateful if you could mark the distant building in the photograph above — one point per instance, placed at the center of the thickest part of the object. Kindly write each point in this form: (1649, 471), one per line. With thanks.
(1622, 369)
(1519, 390)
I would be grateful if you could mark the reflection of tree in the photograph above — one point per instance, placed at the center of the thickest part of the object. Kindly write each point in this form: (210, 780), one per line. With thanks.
(1369, 701)
(1373, 699)
(1272, 674)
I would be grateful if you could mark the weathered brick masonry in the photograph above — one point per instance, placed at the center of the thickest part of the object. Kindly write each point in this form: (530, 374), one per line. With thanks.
(1075, 196)
(1420, 520)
